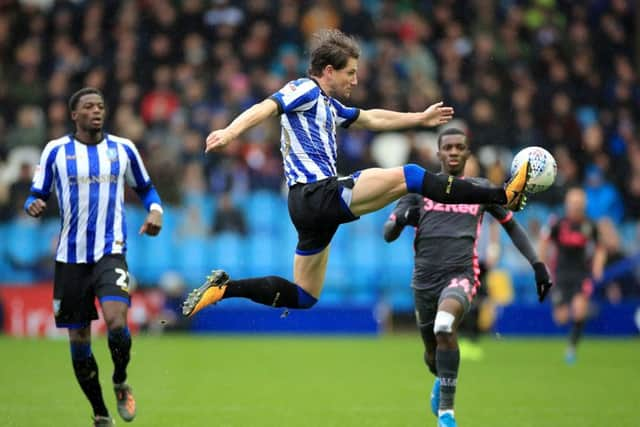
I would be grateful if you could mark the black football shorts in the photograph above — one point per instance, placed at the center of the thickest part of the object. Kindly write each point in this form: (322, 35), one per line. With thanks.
(318, 208)
(566, 287)
(457, 285)
(75, 287)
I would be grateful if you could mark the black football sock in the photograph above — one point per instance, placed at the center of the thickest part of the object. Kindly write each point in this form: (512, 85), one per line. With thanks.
(429, 340)
(120, 346)
(576, 333)
(448, 189)
(447, 363)
(86, 370)
(273, 291)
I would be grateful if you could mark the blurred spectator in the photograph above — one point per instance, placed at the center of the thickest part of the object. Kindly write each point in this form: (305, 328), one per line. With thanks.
(357, 20)
(228, 217)
(224, 18)
(525, 133)
(161, 102)
(20, 190)
(485, 129)
(320, 14)
(193, 224)
(603, 200)
(26, 86)
(28, 130)
(625, 284)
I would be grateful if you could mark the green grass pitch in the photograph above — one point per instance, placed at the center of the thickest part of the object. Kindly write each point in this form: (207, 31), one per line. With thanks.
(325, 381)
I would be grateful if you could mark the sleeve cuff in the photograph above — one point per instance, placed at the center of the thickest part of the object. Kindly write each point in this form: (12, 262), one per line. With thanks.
(28, 202)
(349, 122)
(278, 102)
(156, 207)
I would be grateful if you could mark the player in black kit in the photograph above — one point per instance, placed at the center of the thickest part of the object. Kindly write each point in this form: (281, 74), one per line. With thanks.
(575, 238)
(445, 275)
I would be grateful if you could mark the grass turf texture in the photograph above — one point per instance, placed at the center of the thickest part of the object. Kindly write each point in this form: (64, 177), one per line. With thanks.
(299, 381)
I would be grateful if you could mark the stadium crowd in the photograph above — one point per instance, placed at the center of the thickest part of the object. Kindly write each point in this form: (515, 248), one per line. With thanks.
(554, 73)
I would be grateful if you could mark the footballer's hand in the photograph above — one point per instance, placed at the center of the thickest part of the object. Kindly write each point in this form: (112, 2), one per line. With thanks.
(152, 224)
(437, 114)
(36, 208)
(543, 280)
(411, 216)
(217, 140)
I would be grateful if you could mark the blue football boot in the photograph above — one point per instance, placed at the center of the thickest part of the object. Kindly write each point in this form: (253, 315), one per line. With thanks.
(446, 420)
(435, 397)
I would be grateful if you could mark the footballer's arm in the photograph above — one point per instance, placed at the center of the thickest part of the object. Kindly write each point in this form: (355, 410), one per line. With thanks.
(253, 116)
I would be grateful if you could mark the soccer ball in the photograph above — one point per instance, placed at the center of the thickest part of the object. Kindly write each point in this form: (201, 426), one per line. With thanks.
(543, 168)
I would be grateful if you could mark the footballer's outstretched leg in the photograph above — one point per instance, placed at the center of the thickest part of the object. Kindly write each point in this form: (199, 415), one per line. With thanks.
(272, 291)
(209, 293)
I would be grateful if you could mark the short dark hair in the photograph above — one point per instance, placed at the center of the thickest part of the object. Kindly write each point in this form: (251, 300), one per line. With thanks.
(450, 131)
(75, 98)
(331, 47)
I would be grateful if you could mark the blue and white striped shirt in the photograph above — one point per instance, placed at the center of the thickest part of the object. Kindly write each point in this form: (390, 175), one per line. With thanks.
(308, 120)
(89, 183)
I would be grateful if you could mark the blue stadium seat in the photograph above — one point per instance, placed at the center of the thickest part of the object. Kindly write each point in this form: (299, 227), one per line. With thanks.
(193, 260)
(228, 251)
(524, 286)
(266, 211)
(367, 261)
(159, 255)
(24, 244)
(398, 256)
(339, 268)
(136, 258)
(332, 297)
(264, 254)
(401, 299)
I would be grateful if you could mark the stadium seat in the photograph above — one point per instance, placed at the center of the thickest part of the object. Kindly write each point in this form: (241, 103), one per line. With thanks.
(193, 260)
(401, 299)
(398, 260)
(159, 254)
(228, 251)
(265, 212)
(265, 255)
(367, 262)
(22, 233)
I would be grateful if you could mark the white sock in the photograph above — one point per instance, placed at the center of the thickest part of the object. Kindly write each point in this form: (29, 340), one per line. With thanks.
(441, 412)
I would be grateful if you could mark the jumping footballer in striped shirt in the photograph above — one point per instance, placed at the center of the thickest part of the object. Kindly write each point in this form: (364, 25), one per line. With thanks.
(320, 200)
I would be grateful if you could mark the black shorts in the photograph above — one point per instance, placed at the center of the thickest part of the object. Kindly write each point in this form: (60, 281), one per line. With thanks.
(75, 287)
(318, 208)
(566, 287)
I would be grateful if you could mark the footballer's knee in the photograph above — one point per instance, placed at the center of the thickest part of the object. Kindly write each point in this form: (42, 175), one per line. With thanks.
(115, 314)
(444, 329)
(80, 335)
(305, 299)
(444, 323)
(115, 321)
